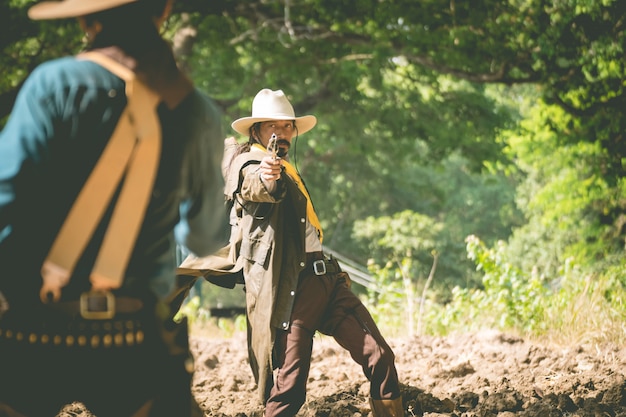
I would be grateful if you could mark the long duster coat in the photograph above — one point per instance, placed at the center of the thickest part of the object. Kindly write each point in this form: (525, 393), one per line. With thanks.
(268, 247)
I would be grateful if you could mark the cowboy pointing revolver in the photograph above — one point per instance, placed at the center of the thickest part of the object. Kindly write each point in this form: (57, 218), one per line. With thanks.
(292, 288)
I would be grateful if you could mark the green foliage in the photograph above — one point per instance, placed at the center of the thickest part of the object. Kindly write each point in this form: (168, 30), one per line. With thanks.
(516, 298)
(398, 245)
(403, 235)
(388, 301)
(404, 126)
(381, 117)
(204, 297)
(573, 306)
(571, 207)
(194, 311)
(199, 318)
(406, 159)
(415, 116)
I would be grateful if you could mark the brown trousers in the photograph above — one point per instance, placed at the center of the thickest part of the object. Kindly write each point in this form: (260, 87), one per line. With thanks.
(326, 304)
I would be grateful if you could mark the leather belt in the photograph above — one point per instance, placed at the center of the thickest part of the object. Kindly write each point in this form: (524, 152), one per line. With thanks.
(98, 305)
(318, 264)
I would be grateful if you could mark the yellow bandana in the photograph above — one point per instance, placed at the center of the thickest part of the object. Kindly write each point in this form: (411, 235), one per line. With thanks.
(293, 174)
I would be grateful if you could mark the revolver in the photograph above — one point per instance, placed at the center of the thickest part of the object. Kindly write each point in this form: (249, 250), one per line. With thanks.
(272, 146)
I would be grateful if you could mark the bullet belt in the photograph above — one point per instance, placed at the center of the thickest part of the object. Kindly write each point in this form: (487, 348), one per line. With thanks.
(318, 264)
(97, 320)
(79, 334)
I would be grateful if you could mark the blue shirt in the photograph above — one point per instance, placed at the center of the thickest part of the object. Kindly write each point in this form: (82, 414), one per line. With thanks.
(60, 123)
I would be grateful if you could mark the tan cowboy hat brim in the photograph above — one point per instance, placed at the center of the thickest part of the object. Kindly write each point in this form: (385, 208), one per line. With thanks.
(72, 8)
(303, 123)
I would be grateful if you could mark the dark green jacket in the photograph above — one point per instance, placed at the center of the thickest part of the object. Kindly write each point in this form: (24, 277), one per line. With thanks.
(61, 121)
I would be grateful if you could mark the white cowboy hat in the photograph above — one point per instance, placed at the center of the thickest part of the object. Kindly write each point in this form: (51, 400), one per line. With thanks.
(72, 8)
(272, 105)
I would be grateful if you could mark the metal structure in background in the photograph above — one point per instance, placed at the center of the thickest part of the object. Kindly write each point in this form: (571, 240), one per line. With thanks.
(358, 273)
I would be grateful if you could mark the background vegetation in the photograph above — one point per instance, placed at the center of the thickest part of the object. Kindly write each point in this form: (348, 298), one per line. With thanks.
(471, 154)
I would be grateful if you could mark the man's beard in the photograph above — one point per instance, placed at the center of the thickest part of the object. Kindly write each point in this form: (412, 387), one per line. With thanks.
(283, 148)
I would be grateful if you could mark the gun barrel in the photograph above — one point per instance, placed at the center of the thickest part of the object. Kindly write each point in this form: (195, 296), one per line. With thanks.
(272, 146)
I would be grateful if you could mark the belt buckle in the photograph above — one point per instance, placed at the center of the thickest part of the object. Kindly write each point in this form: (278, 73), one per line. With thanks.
(319, 267)
(97, 305)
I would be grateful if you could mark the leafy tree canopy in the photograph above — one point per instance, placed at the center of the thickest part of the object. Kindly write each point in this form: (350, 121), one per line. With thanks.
(404, 93)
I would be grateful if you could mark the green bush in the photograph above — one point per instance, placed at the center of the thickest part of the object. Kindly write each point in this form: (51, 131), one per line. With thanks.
(576, 306)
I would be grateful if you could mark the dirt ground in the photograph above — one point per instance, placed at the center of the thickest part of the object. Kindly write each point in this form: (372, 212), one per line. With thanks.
(473, 375)
(483, 374)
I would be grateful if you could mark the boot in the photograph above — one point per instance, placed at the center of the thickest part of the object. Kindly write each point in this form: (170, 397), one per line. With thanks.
(387, 408)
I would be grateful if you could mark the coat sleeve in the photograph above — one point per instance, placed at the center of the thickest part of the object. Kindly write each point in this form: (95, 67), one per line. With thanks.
(254, 190)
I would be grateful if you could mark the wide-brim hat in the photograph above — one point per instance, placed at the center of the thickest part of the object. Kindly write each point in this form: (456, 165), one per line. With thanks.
(72, 8)
(272, 105)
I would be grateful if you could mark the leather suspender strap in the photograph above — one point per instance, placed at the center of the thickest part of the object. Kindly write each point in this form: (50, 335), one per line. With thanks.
(132, 153)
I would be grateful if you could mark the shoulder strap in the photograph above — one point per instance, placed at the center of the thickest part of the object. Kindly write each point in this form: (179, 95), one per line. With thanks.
(133, 152)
